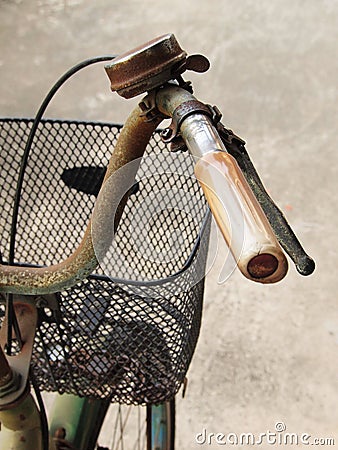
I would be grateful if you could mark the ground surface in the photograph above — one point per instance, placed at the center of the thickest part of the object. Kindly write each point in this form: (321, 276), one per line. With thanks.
(266, 354)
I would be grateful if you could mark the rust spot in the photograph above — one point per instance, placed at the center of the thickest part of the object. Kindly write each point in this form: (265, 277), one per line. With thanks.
(22, 309)
(22, 439)
(22, 417)
(145, 67)
(263, 265)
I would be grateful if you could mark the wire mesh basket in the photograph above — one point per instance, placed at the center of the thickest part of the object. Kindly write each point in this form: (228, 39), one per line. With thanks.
(128, 332)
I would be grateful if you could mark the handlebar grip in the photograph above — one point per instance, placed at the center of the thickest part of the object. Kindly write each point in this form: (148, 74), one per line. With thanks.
(240, 218)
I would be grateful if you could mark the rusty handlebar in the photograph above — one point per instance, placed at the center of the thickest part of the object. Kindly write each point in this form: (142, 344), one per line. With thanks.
(41, 280)
(200, 137)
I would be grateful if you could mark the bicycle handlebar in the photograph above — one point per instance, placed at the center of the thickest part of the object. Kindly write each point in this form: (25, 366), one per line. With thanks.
(130, 146)
(253, 244)
(236, 210)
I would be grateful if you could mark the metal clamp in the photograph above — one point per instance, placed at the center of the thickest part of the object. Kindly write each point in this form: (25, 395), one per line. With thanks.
(149, 108)
(26, 314)
(180, 114)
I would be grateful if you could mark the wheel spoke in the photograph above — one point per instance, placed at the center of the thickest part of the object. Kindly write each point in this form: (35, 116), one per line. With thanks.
(129, 429)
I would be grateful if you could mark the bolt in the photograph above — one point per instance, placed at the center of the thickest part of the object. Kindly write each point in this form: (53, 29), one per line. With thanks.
(166, 133)
(41, 302)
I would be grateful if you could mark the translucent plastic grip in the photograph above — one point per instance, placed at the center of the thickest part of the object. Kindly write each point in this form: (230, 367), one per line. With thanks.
(240, 218)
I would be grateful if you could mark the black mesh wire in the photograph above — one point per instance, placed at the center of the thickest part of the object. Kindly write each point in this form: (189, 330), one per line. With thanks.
(128, 336)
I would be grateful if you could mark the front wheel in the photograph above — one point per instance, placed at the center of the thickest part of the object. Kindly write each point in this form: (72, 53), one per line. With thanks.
(161, 426)
(139, 428)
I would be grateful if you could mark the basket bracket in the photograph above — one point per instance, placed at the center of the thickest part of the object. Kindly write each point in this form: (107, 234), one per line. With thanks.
(26, 314)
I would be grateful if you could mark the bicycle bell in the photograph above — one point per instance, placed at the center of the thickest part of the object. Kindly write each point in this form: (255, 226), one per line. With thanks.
(151, 65)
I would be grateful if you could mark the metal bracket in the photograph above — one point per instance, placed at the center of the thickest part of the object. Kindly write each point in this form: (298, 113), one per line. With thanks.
(26, 314)
(228, 136)
(149, 108)
(171, 134)
(182, 112)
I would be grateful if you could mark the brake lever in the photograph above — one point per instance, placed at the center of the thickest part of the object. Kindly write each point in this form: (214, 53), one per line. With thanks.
(305, 265)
